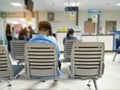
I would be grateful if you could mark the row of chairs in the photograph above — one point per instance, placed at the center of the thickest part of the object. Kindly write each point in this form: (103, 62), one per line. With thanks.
(40, 60)
(87, 60)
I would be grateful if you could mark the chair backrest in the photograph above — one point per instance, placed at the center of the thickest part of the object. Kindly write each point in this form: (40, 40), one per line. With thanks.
(87, 59)
(67, 49)
(1, 42)
(17, 49)
(5, 64)
(41, 59)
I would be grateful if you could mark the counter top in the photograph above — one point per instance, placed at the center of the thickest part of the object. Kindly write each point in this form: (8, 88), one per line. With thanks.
(99, 35)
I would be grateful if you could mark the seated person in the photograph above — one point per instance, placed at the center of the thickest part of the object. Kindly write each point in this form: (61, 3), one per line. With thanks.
(69, 36)
(54, 34)
(44, 30)
(24, 35)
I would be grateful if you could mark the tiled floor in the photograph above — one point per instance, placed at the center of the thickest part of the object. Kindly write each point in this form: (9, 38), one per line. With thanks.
(109, 81)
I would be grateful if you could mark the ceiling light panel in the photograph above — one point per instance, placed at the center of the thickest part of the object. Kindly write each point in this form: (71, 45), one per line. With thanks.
(16, 4)
(118, 4)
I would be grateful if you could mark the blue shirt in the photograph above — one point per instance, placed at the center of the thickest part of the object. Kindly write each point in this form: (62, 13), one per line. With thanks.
(45, 39)
(70, 38)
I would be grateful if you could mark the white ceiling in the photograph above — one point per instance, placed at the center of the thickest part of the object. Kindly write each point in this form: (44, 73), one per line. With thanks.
(58, 5)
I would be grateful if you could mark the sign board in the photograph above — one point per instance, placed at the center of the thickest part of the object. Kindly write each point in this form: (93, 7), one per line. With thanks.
(72, 15)
(71, 8)
(94, 11)
(3, 14)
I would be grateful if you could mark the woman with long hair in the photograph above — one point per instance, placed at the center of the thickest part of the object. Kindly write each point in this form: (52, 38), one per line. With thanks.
(69, 36)
(24, 34)
(8, 36)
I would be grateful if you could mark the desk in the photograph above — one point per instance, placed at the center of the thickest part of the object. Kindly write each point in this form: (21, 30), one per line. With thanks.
(107, 39)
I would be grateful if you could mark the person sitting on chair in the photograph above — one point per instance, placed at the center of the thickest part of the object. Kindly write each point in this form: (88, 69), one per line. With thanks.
(24, 35)
(69, 36)
(45, 30)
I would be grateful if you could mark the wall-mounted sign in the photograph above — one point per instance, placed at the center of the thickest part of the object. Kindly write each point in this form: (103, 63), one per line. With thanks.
(72, 15)
(94, 11)
(3, 14)
(94, 18)
(50, 16)
(29, 15)
(72, 8)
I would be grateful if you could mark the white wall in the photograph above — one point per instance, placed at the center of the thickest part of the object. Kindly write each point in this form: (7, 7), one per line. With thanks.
(62, 19)
(110, 16)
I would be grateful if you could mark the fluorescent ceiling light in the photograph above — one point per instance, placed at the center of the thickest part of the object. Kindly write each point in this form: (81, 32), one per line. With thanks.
(22, 20)
(72, 4)
(118, 4)
(16, 4)
(14, 22)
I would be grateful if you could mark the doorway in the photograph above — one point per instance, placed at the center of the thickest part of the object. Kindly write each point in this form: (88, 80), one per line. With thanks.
(89, 27)
(109, 26)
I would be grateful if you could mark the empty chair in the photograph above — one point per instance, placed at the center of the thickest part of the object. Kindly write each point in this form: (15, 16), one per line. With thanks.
(117, 50)
(87, 61)
(5, 65)
(7, 70)
(67, 49)
(41, 60)
(17, 50)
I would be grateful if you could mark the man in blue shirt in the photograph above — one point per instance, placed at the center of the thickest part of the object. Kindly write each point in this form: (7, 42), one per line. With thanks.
(44, 30)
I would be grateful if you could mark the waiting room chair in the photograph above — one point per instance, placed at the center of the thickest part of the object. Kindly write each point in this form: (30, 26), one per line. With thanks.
(87, 61)
(117, 51)
(7, 70)
(5, 66)
(67, 50)
(41, 60)
(17, 50)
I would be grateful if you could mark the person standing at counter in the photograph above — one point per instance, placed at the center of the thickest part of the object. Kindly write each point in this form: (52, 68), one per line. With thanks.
(114, 28)
(8, 36)
(69, 36)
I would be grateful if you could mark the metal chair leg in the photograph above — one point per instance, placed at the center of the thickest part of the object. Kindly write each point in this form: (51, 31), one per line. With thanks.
(96, 88)
(115, 56)
(89, 83)
(9, 84)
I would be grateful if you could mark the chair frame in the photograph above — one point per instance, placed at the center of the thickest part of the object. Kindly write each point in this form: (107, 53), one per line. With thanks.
(87, 61)
(6, 72)
(17, 50)
(1, 42)
(68, 49)
(41, 60)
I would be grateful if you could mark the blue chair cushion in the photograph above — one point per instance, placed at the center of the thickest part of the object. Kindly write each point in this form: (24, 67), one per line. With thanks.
(17, 69)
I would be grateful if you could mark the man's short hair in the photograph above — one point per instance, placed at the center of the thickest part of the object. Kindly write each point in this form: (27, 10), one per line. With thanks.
(45, 25)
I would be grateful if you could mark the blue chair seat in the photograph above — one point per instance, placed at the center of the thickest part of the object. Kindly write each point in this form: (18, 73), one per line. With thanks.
(17, 69)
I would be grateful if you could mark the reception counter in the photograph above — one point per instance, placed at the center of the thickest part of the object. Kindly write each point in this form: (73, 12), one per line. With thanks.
(107, 39)
(61, 35)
